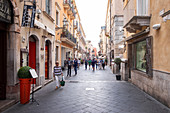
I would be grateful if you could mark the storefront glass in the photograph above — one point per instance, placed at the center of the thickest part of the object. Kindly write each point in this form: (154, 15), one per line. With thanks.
(141, 56)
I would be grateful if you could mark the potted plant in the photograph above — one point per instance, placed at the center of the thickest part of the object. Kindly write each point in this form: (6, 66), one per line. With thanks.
(117, 61)
(25, 84)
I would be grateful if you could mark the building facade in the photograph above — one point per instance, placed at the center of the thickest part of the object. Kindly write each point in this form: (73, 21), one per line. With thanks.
(147, 45)
(28, 34)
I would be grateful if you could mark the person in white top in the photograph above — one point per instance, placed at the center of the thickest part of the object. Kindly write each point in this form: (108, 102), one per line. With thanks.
(58, 74)
(78, 63)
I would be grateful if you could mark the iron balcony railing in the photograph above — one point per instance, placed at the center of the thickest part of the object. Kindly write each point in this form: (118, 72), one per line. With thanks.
(68, 2)
(68, 35)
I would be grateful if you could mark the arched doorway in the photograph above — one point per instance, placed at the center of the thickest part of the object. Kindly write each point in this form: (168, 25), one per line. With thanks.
(48, 60)
(32, 54)
(3, 61)
(6, 19)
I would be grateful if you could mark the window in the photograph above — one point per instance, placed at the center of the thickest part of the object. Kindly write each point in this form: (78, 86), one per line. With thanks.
(141, 56)
(57, 18)
(142, 7)
(48, 6)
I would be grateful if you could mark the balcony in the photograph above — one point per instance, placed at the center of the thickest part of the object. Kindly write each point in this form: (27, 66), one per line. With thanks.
(68, 38)
(75, 24)
(136, 16)
(67, 4)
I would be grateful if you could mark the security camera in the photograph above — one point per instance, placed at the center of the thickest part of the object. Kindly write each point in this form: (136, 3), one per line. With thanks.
(38, 11)
(156, 26)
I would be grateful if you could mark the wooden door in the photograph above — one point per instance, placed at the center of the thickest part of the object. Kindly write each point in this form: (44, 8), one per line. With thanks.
(3, 62)
(32, 56)
(47, 61)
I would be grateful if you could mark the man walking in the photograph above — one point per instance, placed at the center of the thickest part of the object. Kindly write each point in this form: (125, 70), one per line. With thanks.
(75, 65)
(86, 64)
(57, 74)
(69, 64)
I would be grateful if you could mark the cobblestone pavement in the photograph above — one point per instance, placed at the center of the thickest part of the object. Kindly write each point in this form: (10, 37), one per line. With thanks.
(91, 92)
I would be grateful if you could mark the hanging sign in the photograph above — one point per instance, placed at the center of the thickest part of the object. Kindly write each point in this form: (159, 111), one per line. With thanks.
(33, 73)
(5, 11)
(28, 17)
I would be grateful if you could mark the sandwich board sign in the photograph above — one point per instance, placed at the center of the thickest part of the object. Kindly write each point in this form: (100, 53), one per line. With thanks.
(33, 73)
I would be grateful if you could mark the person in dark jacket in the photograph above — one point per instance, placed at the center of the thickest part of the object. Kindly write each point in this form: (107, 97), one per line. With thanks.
(69, 64)
(75, 64)
(86, 62)
(93, 64)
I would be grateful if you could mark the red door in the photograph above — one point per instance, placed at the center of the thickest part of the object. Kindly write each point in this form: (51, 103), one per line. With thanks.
(32, 56)
(46, 61)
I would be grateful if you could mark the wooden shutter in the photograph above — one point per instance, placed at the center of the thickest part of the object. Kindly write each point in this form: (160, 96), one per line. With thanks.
(149, 56)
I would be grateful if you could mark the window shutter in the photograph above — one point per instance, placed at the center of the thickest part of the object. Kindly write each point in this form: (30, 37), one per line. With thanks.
(149, 56)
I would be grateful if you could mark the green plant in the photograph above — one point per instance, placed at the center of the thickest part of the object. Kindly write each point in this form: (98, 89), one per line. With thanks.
(117, 60)
(23, 72)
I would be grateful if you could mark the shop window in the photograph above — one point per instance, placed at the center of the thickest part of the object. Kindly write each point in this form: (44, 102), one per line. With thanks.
(141, 56)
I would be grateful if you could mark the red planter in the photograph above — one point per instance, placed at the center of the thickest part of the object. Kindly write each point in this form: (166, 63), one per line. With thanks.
(25, 87)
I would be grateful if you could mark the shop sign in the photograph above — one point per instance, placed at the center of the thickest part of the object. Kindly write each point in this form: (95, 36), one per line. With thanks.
(5, 11)
(28, 17)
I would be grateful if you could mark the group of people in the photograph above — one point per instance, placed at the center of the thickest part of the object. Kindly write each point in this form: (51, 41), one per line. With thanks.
(96, 63)
(58, 75)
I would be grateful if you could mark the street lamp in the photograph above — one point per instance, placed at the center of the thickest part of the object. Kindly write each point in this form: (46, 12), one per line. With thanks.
(65, 24)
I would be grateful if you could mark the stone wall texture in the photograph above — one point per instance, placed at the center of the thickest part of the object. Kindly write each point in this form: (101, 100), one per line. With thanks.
(158, 86)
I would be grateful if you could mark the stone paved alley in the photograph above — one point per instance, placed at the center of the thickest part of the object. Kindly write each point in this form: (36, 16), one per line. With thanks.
(91, 92)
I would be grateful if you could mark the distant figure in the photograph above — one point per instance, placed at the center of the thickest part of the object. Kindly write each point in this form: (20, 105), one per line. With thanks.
(96, 62)
(86, 64)
(89, 63)
(69, 64)
(101, 61)
(103, 64)
(93, 64)
(75, 64)
(78, 63)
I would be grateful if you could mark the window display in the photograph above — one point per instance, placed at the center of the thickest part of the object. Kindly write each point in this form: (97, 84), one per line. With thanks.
(141, 56)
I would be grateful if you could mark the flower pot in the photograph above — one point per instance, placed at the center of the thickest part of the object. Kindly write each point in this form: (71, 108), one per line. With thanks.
(25, 87)
(118, 77)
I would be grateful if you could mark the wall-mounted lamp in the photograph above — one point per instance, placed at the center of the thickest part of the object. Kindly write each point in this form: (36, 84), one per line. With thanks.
(156, 26)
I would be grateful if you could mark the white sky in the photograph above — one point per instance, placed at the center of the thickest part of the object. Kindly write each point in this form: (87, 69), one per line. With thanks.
(92, 14)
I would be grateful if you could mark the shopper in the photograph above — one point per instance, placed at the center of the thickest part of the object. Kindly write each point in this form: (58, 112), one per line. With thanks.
(58, 74)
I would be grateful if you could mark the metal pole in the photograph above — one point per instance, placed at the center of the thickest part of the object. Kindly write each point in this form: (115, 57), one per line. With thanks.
(110, 31)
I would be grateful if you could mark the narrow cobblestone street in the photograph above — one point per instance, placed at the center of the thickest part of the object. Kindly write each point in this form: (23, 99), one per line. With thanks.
(91, 92)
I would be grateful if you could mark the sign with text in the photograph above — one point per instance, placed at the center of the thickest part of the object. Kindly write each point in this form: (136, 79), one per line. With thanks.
(33, 73)
(5, 11)
(28, 17)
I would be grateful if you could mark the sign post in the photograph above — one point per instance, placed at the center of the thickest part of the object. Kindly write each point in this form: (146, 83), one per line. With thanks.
(34, 75)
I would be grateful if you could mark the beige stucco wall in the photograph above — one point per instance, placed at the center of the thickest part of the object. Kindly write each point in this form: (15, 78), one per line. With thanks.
(161, 37)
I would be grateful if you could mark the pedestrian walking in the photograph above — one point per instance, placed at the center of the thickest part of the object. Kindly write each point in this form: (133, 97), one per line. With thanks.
(58, 74)
(86, 64)
(69, 65)
(78, 63)
(89, 63)
(101, 61)
(75, 64)
(96, 63)
(93, 64)
(103, 64)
